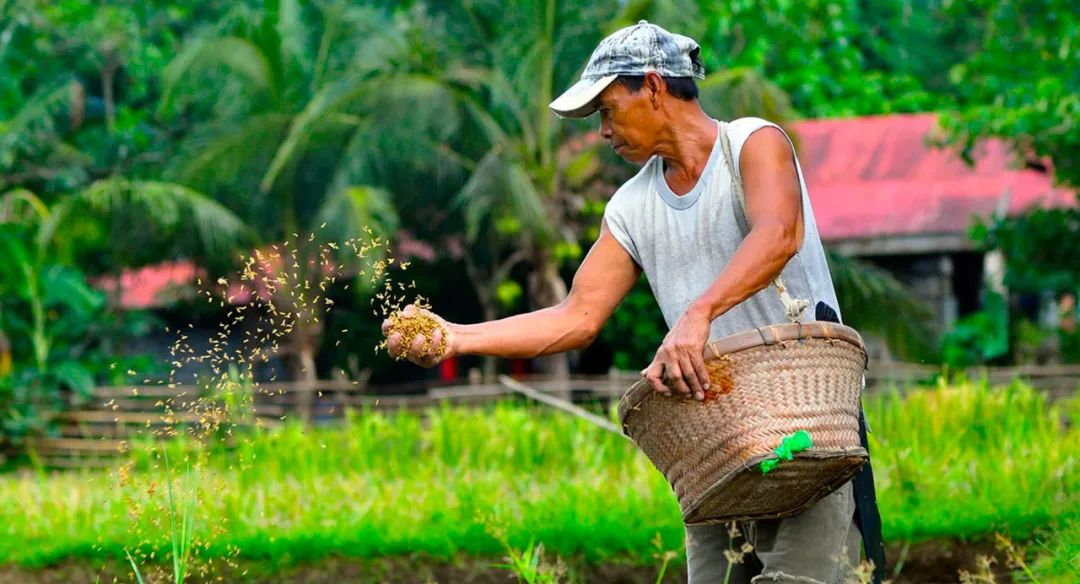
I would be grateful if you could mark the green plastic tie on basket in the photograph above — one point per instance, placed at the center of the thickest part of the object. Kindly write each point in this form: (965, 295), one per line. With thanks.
(797, 442)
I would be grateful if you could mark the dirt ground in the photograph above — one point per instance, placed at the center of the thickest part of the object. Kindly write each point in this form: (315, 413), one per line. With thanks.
(926, 563)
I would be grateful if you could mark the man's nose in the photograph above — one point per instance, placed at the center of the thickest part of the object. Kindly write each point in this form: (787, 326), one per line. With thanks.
(605, 129)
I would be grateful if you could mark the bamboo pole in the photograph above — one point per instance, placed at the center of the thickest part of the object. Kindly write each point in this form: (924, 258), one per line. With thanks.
(560, 404)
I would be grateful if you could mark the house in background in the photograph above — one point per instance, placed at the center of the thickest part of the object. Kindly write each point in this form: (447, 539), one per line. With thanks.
(882, 193)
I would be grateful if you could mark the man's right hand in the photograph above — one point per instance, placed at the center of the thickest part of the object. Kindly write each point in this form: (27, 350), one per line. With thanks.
(416, 351)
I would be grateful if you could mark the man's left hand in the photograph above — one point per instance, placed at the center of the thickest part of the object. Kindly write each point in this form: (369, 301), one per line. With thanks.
(679, 364)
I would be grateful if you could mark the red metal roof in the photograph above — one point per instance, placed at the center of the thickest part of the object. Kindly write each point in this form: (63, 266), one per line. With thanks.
(875, 176)
(152, 286)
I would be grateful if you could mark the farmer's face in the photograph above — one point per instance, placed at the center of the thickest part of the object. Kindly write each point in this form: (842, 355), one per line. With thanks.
(629, 122)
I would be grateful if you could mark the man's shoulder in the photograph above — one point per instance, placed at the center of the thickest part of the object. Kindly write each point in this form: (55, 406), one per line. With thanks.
(740, 128)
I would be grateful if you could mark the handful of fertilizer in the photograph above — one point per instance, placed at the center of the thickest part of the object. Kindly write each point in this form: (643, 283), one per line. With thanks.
(413, 321)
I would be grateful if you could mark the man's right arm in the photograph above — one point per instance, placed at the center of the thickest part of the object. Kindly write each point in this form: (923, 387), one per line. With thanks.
(605, 277)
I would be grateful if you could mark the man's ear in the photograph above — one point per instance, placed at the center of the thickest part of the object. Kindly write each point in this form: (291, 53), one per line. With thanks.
(655, 86)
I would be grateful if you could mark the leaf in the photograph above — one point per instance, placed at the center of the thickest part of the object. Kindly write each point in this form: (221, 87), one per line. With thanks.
(178, 210)
(131, 560)
(66, 287)
(33, 207)
(74, 376)
(242, 56)
(17, 264)
(508, 293)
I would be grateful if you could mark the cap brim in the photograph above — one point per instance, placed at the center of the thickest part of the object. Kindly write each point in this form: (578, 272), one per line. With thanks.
(577, 102)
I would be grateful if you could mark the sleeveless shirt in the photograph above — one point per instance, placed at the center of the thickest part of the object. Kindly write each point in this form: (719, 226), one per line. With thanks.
(682, 243)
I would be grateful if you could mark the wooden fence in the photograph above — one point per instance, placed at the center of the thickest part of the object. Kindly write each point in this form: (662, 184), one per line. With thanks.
(96, 434)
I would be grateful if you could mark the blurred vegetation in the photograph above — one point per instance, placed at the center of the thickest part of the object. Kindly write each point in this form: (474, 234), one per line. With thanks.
(135, 132)
(959, 461)
(1020, 84)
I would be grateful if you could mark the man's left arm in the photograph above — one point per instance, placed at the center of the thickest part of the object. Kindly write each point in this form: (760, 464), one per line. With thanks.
(774, 213)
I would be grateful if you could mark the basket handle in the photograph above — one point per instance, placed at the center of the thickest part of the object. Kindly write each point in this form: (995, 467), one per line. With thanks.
(792, 307)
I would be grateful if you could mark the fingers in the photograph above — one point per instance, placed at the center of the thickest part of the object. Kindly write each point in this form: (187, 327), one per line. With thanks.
(674, 379)
(393, 345)
(429, 354)
(433, 354)
(653, 374)
(698, 363)
(416, 349)
(683, 375)
(690, 379)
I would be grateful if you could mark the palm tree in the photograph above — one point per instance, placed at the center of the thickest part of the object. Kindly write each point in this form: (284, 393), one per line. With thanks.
(307, 108)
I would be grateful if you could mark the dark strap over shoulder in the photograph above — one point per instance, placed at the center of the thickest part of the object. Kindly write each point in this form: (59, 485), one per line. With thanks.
(866, 509)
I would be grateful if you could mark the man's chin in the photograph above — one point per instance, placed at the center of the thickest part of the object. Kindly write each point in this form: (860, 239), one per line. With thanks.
(625, 154)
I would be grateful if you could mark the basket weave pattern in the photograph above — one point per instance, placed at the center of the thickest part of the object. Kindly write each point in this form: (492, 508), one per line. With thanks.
(709, 450)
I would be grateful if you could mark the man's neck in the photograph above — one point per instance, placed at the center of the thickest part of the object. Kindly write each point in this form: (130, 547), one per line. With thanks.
(686, 149)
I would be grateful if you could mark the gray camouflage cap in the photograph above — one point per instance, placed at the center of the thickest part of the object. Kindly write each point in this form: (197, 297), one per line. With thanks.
(634, 50)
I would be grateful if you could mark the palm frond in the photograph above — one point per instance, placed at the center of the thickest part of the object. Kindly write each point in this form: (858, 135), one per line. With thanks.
(174, 208)
(293, 35)
(225, 153)
(348, 211)
(22, 206)
(240, 55)
(407, 106)
(36, 117)
(500, 185)
(504, 98)
(331, 98)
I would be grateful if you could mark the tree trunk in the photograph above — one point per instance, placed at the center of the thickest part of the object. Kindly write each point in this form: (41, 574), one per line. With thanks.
(108, 72)
(5, 356)
(300, 361)
(490, 363)
(546, 288)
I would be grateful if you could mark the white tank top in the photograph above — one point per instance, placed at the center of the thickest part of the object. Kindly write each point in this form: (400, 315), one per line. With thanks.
(683, 242)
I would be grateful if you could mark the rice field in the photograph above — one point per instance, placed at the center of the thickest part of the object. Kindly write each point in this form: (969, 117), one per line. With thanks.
(956, 461)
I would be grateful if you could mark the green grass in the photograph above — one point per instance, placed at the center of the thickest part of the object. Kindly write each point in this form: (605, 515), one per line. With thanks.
(963, 460)
(958, 461)
(1058, 554)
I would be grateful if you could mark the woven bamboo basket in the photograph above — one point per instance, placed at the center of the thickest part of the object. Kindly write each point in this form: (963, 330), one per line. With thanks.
(765, 384)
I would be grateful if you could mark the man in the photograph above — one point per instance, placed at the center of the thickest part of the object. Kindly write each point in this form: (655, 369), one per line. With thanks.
(708, 262)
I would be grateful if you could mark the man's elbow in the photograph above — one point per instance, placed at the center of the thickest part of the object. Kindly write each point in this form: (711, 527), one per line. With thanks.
(584, 327)
(789, 247)
(587, 335)
(784, 242)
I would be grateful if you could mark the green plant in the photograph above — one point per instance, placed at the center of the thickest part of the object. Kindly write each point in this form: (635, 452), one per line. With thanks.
(662, 555)
(530, 566)
(181, 517)
(954, 461)
(134, 567)
(47, 311)
(979, 337)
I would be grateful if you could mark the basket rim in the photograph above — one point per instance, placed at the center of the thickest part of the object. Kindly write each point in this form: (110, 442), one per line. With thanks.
(749, 464)
(750, 339)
